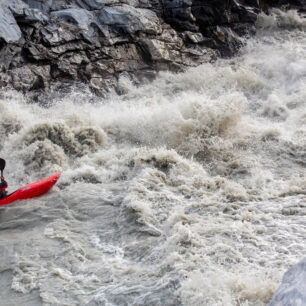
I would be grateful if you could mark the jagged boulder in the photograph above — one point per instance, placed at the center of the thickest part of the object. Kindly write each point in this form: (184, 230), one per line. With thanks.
(9, 29)
(292, 290)
(131, 19)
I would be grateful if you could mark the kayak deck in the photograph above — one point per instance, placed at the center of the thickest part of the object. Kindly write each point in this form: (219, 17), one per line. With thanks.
(32, 190)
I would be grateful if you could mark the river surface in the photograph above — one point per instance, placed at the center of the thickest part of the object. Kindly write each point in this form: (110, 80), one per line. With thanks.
(189, 190)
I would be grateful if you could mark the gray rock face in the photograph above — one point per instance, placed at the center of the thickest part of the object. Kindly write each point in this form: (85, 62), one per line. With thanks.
(78, 17)
(94, 41)
(292, 291)
(131, 19)
(15, 6)
(9, 30)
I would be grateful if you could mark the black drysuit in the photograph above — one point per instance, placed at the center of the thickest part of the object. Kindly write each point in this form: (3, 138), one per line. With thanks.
(3, 186)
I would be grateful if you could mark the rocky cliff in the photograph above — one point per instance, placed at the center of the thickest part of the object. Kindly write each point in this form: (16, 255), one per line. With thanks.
(97, 42)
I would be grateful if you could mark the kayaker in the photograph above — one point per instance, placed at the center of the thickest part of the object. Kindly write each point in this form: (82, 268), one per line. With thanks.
(3, 186)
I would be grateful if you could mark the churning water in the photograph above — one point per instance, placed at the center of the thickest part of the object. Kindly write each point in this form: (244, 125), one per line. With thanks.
(189, 190)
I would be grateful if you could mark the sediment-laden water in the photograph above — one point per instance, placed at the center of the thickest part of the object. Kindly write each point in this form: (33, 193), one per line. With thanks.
(190, 190)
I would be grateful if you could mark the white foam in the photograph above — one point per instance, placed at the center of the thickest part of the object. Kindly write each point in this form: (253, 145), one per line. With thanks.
(190, 189)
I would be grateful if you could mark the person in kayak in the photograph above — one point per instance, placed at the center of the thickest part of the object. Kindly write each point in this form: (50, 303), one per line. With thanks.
(3, 183)
(3, 186)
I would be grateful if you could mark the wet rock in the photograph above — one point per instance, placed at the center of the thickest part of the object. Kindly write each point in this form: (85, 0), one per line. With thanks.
(194, 38)
(81, 18)
(131, 19)
(103, 85)
(292, 290)
(98, 4)
(95, 41)
(226, 40)
(16, 6)
(155, 49)
(9, 29)
(42, 5)
(33, 16)
(30, 77)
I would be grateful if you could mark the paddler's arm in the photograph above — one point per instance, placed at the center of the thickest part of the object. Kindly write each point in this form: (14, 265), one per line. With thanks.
(3, 184)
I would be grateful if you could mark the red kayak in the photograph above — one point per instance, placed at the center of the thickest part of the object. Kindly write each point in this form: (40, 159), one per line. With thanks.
(32, 190)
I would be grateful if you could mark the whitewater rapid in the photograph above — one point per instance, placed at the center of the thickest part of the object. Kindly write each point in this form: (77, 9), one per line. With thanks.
(189, 190)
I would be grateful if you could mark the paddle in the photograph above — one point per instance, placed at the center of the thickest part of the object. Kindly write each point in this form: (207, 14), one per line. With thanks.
(2, 165)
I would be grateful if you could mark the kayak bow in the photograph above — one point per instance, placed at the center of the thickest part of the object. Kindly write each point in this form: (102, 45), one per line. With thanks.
(32, 190)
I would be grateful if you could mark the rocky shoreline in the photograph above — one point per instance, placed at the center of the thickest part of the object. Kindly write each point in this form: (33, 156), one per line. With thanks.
(97, 42)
